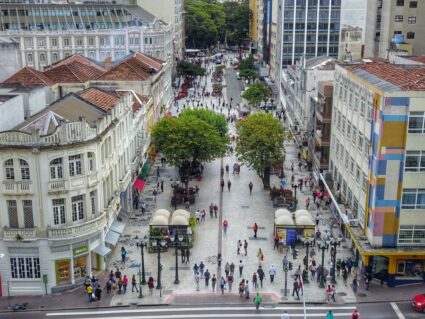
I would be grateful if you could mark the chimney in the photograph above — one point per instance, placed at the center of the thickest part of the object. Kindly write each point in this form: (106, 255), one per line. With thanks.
(107, 63)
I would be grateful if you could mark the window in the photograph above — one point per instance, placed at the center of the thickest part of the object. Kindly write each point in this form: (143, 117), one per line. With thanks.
(66, 42)
(25, 169)
(91, 41)
(411, 234)
(25, 267)
(90, 157)
(398, 18)
(59, 217)
(41, 42)
(56, 168)
(10, 172)
(400, 3)
(366, 147)
(354, 139)
(29, 58)
(365, 182)
(410, 35)
(415, 161)
(413, 198)
(93, 202)
(42, 58)
(413, 4)
(77, 204)
(80, 42)
(28, 213)
(28, 42)
(74, 165)
(55, 57)
(411, 20)
(12, 211)
(360, 143)
(416, 122)
(54, 42)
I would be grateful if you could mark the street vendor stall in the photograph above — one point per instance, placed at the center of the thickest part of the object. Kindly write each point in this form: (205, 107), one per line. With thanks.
(244, 113)
(158, 228)
(305, 225)
(282, 212)
(284, 228)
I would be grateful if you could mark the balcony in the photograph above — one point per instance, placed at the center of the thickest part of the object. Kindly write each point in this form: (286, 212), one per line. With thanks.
(125, 181)
(92, 179)
(321, 161)
(19, 233)
(58, 186)
(17, 188)
(73, 231)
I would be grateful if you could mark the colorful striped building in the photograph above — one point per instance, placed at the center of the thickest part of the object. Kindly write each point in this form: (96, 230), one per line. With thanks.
(377, 144)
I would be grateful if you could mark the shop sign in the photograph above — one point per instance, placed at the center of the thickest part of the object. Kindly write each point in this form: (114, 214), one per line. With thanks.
(80, 250)
(309, 233)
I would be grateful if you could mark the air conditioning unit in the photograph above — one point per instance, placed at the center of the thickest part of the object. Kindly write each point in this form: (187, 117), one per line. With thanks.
(353, 222)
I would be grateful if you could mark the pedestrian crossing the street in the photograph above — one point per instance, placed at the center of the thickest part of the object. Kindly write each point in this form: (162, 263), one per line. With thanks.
(207, 312)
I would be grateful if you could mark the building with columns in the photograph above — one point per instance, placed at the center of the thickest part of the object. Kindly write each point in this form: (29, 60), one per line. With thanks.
(49, 32)
(67, 178)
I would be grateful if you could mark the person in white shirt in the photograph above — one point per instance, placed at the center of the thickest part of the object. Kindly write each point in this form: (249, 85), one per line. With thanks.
(284, 315)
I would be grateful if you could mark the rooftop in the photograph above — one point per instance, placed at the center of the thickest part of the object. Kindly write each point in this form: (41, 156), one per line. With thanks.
(390, 77)
(4, 98)
(420, 58)
(104, 100)
(28, 75)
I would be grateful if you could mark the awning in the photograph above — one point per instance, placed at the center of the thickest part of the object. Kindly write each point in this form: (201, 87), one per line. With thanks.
(117, 227)
(139, 184)
(144, 171)
(102, 250)
(112, 238)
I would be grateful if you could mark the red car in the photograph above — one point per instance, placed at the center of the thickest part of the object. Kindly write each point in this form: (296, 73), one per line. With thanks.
(418, 302)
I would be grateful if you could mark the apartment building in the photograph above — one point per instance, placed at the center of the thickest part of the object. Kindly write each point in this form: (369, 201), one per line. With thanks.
(67, 174)
(253, 24)
(375, 161)
(48, 33)
(394, 24)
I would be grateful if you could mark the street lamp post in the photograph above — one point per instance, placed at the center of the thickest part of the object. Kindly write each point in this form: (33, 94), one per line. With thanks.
(158, 244)
(295, 186)
(323, 245)
(285, 269)
(335, 242)
(177, 240)
(307, 242)
(142, 279)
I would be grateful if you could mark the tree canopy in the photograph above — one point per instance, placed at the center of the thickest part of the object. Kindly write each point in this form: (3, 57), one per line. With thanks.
(237, 22)
(195, 136)
(256, 93)
(186, 68)
(260, 144)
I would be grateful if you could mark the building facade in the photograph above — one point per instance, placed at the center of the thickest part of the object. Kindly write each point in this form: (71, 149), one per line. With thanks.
(48, 33)
(394, 24)
(253, 24)
(67, 175)
(375, 162)
(10, 60)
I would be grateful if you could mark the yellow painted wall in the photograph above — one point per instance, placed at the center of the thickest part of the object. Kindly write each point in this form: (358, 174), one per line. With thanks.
(253, 21)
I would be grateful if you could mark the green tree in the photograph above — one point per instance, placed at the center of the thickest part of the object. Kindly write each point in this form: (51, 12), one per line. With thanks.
(248, 73)
(256, 93)
(237, 23)
(193, 137)
(205, 23)
(260, 144)
(186, 68)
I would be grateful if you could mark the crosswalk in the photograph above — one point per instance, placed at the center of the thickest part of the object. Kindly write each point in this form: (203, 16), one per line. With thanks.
(222, 312)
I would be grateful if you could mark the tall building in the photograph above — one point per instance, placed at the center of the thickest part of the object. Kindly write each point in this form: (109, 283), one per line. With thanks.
(394, 24)
(377, 144)
(171, 12)
(253, 24)
(10, 59)
(50, 32)
(309, 28)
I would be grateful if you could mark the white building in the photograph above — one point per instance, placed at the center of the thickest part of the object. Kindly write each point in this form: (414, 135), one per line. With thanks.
(66, 175)
(50, 32)
(10, 60)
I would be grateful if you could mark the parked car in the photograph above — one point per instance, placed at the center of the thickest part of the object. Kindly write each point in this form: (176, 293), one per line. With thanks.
(418, 302)
(238, 76)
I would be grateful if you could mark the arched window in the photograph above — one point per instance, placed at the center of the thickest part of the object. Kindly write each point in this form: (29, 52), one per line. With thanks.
(42, 58)
(56, 169)
(25, 169)
(54, 57)
(9, 170)
(91, 163)
(29, 58)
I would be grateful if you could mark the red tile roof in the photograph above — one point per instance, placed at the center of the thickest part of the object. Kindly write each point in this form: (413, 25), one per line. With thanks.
(28, 75)
(75, 58)
(73, 72)
(104, 100)
(407, 77)
(136, 67)
(420, 58)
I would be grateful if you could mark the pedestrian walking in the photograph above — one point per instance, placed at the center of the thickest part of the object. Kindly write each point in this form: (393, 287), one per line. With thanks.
(260, 256)
(124, 283)
(229, 183)
(98, 293)
(215, 210)
(211, 210)
(261, 275)
(272, 273)
(257, 300)
(213, 282)
(227, 269)
(239, 245)
(195, 268)
(222, 283)
(162, 186)
(222, 184)
(219, 260)
(109, 285)
(345, 276)
(245, 247)
(276, 242)
(230, 280)
(330, 315)
(355, 314)
(201, 269)
(197, 277)
(123, 254)
(143, 206)
(134, 284)
(255, 229)
(183, 254)
(333, 293)
(328, 293)
(250, 185)
(295, 289)
(355, 286)
(246, 290)
(151, 285)
(300, 286)
(254, 280)
(157, 172)
(232, 268)
(240, 268)
(367, 279)
(317, 219)
(187, 253)
(284, 315)
(154, 193)
(89, 290)
(207, 277)
(225, 226)
(338, 267)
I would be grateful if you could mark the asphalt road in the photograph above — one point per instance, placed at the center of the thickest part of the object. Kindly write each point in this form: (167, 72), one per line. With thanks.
(367, 311)
(233, 87)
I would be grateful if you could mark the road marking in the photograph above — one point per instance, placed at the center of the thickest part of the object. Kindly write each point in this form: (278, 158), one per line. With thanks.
(397, 310)
(235, 315)
(147, 310)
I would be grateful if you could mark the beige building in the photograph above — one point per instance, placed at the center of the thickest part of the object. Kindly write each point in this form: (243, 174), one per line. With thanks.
(350, 44)
(386, 19)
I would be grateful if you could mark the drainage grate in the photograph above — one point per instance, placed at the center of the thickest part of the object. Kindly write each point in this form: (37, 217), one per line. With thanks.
(361, 294)
(167, 292)
(258, 238)
(259, 227)
(342, 294)
(244, 206)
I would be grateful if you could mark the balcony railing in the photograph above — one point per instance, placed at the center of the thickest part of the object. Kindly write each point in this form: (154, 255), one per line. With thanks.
(125, 181)
(86, 228)
(92, 179)
(58, 186)
(19, 233)
(17, 188)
